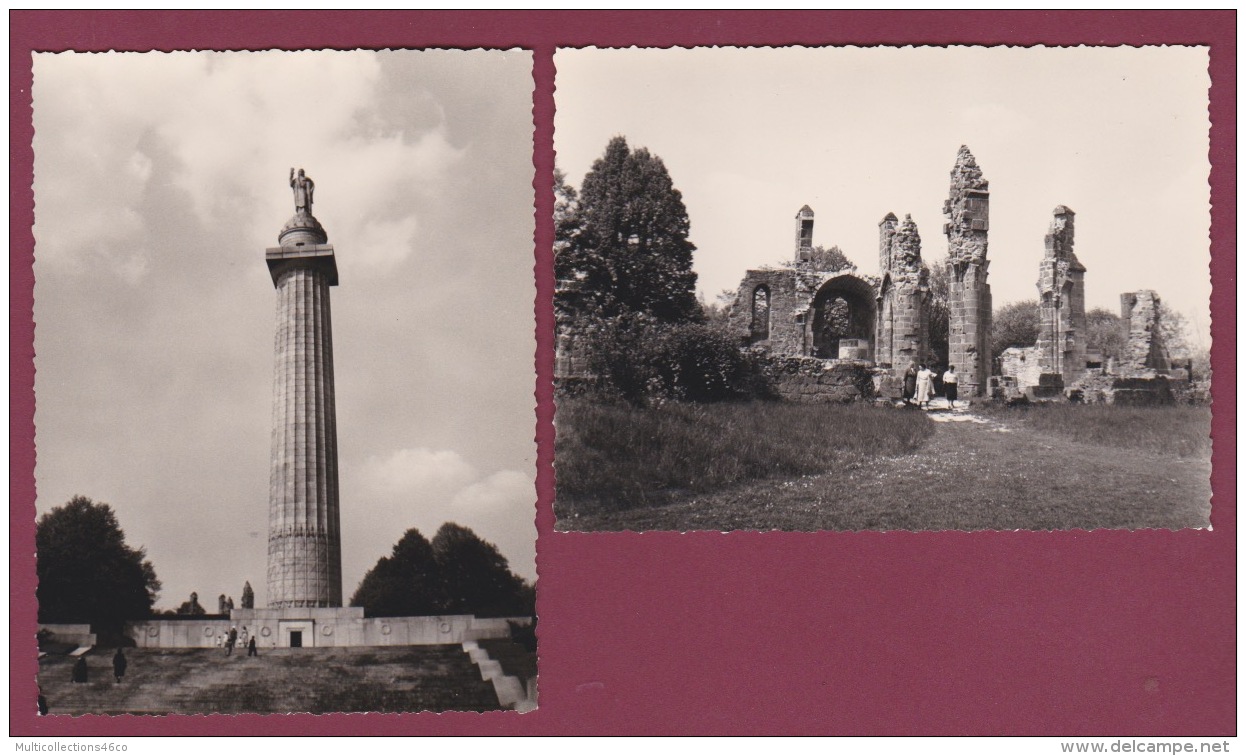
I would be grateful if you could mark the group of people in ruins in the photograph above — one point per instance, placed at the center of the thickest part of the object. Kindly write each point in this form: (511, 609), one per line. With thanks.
(919, 385)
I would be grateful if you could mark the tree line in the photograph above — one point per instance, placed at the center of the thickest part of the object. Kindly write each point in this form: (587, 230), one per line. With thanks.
(88, 574)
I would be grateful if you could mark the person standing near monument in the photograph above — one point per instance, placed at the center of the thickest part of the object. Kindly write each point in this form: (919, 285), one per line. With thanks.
(80, 670)
(925, 386)
(251, 647)
(118, 665)
(910, 383)
(950, 381)
(231, 641)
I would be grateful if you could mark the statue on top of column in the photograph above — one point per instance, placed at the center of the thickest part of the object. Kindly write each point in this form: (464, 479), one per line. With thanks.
(304, 188)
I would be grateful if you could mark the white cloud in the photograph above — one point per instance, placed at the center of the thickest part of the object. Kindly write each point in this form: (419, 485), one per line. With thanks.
(416, 472)
(233, 125)
(501, 491)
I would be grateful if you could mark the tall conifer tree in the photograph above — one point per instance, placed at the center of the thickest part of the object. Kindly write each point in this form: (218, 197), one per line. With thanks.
(627, 243)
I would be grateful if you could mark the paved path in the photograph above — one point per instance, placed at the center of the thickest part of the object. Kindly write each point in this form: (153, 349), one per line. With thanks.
(974, 473)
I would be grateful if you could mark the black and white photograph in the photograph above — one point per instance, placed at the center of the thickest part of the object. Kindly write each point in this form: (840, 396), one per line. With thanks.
(284, 360)
(882, 288)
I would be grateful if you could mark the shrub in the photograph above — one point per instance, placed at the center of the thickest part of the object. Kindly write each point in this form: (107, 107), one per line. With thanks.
(638, 359)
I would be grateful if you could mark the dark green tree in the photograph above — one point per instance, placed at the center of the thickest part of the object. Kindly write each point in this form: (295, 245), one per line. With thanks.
(457, 573)
(830, 259)
(1014, 325)
(476, 578)
(939, 312)
(1105, 332)
(1175, 331)
(248, 596)
(566, 218)
(407, 583)
(191, 607)
(87, 573)
(624, 238)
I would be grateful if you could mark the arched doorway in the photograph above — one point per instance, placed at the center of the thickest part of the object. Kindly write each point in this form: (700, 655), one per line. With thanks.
(759, 328)
(843, 309)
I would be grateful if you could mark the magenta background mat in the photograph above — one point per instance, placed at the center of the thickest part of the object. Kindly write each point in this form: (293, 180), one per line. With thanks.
(1067, 633)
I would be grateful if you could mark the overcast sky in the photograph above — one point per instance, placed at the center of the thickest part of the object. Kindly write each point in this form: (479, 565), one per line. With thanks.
(160, 179)
(1120, 135)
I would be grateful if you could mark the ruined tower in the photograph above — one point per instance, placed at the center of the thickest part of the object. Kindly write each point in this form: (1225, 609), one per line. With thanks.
(804, 234)
(1145, 352)
(969, 295)
(903, 297)
(304, 539)
(1061, 344)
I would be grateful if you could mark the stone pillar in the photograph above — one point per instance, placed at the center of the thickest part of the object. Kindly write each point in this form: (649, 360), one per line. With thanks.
(304, 538)
(969, 295)
(1061, 344)
(884, 333)
(804, 234)
(904, 322)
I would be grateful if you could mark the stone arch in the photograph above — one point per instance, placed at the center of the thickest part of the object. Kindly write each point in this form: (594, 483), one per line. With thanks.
(843, 308)
(759, 325)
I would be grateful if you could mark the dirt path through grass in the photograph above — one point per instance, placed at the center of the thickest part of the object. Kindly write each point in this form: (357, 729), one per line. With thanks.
(973, 474)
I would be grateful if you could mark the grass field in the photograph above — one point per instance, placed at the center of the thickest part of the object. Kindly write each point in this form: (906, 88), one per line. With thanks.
(1179, 431)
(1048, 467)
(611, 457)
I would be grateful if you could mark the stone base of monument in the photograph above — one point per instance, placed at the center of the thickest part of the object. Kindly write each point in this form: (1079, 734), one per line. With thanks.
(315, 628)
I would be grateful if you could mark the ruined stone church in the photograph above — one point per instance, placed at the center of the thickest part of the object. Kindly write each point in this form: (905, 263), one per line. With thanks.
(834, 325)
(811, 309)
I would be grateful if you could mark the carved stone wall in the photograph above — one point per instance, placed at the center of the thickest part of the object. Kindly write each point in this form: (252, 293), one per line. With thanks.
(797, 301)
(1061, 343)
(969, 295)
(801, 309)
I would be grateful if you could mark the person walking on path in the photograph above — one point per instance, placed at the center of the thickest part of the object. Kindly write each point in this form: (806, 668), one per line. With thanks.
(950, 381)
(231, 641)
(119, 663)
(925, 386)
(80, 670)
(910, 383)
(251, 647)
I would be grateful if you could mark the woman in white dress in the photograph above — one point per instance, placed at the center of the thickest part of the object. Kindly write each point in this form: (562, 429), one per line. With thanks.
(925, 386)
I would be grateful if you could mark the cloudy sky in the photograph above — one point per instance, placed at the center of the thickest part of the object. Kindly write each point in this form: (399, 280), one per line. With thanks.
(1119, 135)
(160, 179)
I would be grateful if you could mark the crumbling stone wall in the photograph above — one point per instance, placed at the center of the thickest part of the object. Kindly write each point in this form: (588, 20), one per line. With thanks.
(1022, 364)
(795, 298)
(570, 338)
(1145, 354)
(1061, 341)
(903, 332)
(969, 295)
(811, 381)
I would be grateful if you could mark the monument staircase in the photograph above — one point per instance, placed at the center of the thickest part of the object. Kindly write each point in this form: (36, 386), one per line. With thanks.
(287, 680)
(514, 658)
